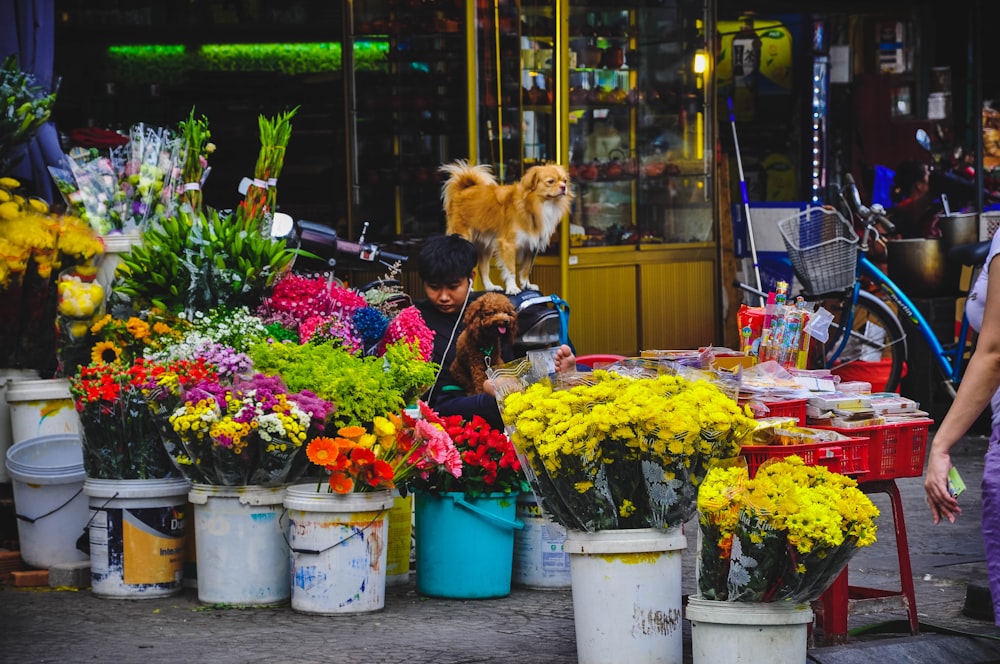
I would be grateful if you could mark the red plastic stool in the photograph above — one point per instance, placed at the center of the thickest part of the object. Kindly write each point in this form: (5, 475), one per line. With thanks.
(839, 596)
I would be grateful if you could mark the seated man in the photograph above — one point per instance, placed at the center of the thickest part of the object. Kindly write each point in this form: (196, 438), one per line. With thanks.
(446, 265)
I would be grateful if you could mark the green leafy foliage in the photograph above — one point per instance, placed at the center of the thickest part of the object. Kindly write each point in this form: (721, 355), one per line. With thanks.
(360, 387)
(199, 261)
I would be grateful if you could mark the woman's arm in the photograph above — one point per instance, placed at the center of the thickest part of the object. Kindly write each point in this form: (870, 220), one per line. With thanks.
(981, 379)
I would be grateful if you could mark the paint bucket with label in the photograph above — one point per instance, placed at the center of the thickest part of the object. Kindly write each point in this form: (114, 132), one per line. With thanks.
(137, 537)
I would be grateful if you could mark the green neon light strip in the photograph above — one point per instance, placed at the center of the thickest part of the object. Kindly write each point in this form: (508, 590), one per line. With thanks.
(167, 62)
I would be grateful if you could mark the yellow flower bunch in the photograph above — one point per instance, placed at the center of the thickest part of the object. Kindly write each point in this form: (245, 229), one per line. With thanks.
(632, 449)
(785, 534)
(126, 338)
(818, 509)
(27, 231)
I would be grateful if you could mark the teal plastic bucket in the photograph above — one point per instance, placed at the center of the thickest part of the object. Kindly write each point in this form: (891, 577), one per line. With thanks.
(465, 546)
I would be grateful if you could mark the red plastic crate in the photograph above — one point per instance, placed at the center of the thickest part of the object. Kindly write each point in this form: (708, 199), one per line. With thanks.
(847, 457)
(785, 408)
(788, 408)
(896, 449)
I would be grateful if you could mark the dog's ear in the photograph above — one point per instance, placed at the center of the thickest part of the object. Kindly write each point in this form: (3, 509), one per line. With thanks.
(530, 179)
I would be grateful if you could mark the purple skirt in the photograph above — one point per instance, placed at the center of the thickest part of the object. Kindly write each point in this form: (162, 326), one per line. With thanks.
(991, 517)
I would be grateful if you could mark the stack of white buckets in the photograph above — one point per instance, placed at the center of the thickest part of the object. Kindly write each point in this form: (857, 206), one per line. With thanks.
(41, 452)
(40, 440)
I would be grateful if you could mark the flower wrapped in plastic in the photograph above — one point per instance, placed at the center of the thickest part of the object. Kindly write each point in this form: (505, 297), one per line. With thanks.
(34, 246)
(81, 304)
(24, 107)
(784, 535)
(249, 432)
(608, 450)
(117, 402)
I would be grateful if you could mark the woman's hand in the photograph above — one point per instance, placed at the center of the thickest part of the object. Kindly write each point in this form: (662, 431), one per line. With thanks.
(941, 502)
(565, 359)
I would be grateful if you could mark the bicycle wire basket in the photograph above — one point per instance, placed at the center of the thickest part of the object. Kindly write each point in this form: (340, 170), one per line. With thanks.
(823, 248)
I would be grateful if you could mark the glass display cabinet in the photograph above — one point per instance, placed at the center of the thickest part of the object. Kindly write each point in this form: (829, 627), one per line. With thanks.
(620, 93)
(408, 111)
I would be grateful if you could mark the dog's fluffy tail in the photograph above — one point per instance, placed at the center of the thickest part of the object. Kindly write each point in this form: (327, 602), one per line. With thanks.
(462, 175)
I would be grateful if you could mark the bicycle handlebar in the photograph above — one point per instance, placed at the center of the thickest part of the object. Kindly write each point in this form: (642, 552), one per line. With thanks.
(869, 215)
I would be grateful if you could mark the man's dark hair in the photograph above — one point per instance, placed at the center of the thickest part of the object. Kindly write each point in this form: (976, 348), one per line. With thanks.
(445, 258)
(908, 174)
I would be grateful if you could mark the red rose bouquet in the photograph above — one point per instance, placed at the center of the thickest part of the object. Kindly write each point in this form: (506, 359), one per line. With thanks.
(489, 462)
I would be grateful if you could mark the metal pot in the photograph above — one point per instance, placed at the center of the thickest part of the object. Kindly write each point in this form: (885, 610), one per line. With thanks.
(918, 266)
(958, 229)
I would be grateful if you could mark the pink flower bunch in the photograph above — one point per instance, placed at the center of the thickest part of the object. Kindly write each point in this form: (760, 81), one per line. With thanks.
(296, 297)
(439, 449)
(324, 327)
(409, 325)
(344, 302)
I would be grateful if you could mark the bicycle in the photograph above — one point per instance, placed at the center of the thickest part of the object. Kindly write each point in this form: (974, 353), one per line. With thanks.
(831, 262)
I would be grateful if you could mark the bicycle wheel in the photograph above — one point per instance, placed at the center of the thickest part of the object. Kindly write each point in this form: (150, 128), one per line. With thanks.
(875, 336)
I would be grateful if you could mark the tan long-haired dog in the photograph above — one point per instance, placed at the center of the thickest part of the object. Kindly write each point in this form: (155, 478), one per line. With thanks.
(490, 322)
(510, 222)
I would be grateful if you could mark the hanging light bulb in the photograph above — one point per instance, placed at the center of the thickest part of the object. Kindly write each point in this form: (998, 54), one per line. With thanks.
(700, 63)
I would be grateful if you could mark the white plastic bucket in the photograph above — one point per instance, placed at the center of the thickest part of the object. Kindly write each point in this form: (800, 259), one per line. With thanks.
(627, 595)
(540, 558)
(137, 537)
(51, 509)
(115, 245)
(397, 566)
(242, 557)
(6, 436)
(338, 549)
(748, 633)
(42, 407)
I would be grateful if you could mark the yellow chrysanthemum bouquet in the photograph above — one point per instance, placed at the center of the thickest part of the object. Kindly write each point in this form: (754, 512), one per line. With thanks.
(606, 450)
(35, 246)
(785, 534)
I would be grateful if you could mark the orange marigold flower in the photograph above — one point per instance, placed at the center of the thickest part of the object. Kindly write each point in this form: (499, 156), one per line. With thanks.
(137, 327)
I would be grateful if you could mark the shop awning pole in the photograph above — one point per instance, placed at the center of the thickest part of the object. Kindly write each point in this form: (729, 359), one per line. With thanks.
(746, 201)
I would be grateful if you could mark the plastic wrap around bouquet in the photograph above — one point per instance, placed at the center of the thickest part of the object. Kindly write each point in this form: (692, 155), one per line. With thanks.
(620, 448)
(244, 432)
(784, 535)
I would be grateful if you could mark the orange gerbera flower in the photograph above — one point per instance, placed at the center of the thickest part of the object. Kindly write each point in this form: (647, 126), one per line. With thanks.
(353, 432)
(341, 483)
(323, 451)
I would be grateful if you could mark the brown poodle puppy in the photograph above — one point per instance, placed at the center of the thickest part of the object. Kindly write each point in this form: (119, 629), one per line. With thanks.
(489, 321)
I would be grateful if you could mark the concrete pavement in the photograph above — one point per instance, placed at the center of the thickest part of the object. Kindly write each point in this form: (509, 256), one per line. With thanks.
(527, 627)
